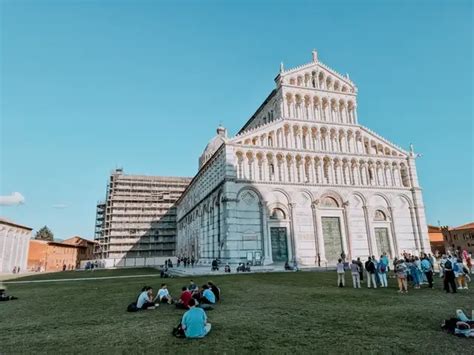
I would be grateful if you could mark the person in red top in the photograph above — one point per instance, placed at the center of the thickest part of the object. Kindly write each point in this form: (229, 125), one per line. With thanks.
(184, 299)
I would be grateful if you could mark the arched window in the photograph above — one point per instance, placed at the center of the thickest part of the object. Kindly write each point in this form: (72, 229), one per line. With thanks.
(380, 216)
(278, 214)
(329, 202)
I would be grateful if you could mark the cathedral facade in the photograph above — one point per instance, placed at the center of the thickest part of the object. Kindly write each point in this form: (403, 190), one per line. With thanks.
(303, 182)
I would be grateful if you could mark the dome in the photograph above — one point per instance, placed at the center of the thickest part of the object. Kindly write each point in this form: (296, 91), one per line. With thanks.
(213, 145)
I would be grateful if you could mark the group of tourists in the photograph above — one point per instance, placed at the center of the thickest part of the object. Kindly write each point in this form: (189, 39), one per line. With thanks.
(418, 270)
(186, 261)
(195, 300)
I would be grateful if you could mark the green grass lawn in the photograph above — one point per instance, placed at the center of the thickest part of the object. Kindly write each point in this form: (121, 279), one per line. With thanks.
(260, 313)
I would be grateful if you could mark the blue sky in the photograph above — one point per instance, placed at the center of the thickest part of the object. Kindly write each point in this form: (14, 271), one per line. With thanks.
(87, 86)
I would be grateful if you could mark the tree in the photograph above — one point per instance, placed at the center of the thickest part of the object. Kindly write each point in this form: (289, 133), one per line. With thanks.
(44, 234)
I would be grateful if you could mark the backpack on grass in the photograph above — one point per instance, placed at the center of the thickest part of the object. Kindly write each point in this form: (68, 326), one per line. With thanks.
(132, 307)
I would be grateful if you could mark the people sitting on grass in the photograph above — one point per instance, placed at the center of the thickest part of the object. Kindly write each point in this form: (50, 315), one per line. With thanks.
(186, 296)
(145, 299)
(341, 282)
(207, 296)
(192, 286)
(164, 274)
(227, 268)
(215, 290)
(370, 269)
(401, 271)
(194, 322)
(4, 296)
(164, 295)
(355, 274)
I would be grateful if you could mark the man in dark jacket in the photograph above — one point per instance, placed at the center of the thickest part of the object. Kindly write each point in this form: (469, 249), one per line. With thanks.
(370, 269)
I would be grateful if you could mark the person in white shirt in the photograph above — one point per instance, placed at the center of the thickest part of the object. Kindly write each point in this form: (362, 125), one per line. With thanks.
(341, 282)
(164, 295)
(145, 299)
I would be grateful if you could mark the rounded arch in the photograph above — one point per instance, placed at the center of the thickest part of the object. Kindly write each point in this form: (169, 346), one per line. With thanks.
(361, 196)
(406, 198)
(278, 206)
(385, 198)
(253, 189)
(284, 193)
(333, 195)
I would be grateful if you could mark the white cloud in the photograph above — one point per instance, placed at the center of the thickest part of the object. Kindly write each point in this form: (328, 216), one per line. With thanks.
(14, 199)
(59, 205)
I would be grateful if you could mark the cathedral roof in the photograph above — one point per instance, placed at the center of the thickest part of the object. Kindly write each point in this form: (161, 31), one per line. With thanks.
(213, 145)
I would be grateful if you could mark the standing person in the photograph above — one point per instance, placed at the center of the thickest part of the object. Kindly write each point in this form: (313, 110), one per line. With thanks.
(413, 269)
(427, 268)
(145, 299)
(459, 273)
(361, 269)
(441, 265)
(185, 262)
(178, 262)
(376, 274)
(355, 271)
(194, 322)
(449, 276)
(340, 273)
(370, 269)
(382, 272)
(401, 271)
(192, 261)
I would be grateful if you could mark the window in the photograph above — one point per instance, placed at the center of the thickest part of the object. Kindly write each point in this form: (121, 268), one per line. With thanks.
(278, 214)
(380, 216)
(329, 202)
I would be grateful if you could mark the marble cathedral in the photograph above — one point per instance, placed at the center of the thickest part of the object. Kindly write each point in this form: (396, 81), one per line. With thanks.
(303, 181)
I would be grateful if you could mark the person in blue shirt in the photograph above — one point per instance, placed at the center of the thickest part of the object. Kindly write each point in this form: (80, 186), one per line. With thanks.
(145, 299)
(194, 322)
(427, 268)
(207, 295)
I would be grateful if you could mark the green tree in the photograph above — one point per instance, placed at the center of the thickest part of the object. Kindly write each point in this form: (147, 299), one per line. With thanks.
(44, 234)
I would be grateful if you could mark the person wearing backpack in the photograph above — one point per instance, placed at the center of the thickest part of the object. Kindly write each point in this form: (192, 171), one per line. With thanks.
(382, 271)
(370, 268)
(449, 276)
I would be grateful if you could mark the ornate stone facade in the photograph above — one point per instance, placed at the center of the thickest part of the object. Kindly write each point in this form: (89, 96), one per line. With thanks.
(304, 181)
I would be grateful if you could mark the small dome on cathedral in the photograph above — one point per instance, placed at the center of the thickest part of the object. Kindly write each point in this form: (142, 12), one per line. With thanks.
(213, 145)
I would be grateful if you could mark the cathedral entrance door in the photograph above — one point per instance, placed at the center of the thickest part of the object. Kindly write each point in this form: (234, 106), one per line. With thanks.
(279, 244)
(332, 239)
(383, 244)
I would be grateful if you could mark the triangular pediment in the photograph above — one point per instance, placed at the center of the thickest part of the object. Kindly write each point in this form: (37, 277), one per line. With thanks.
(316, 75)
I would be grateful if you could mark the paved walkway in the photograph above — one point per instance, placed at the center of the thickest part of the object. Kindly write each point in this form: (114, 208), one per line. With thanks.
(81, 279)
